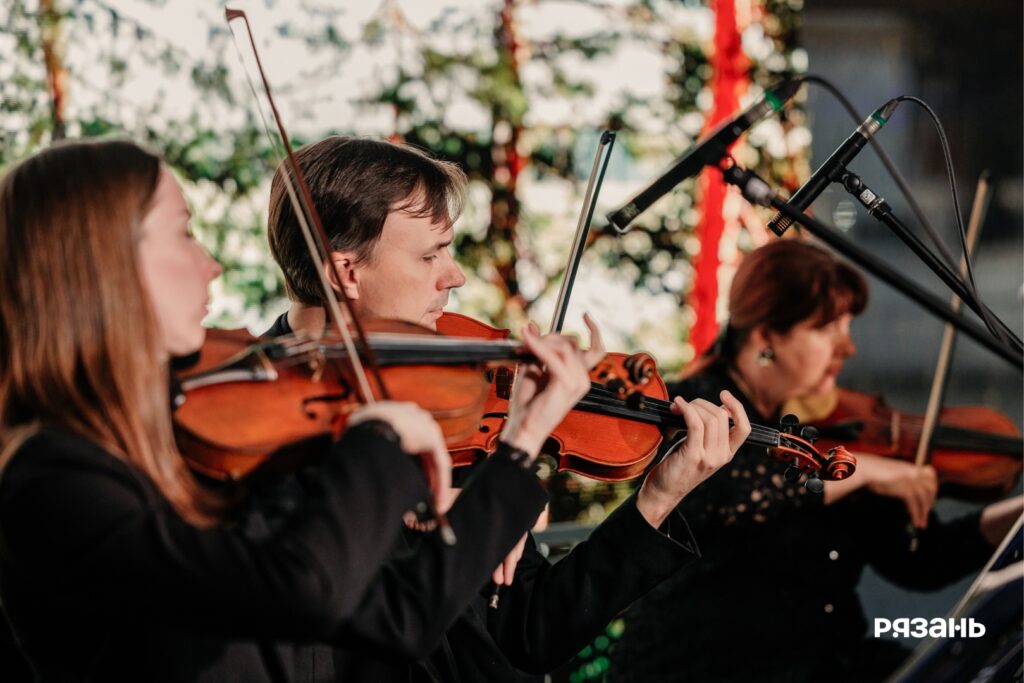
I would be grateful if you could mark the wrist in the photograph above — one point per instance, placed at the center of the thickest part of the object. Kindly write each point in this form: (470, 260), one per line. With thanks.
(519, 436)
(517, 455)
(655, 505)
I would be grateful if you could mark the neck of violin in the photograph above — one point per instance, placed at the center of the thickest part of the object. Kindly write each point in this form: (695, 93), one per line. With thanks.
(658, 413)
(403, 349)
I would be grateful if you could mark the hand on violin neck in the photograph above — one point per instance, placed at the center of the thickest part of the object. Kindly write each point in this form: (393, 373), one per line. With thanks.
(420, 435)
(547, 389)
(709, 444)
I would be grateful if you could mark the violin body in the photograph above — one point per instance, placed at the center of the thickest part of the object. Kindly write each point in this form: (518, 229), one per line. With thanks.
(601, 447)
(245, 401)
(973, 446)
(606, 447)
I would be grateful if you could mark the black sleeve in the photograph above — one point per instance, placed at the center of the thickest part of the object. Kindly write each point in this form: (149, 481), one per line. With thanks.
(92, 530)
(551, 611)
(944, 552)
(748, 491)
(418, 594)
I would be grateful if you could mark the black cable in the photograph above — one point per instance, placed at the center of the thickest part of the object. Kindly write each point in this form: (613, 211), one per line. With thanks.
(997, 330)
(900, 181)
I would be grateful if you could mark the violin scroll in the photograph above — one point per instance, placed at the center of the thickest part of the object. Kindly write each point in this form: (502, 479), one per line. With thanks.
(798, 449)
(626, 376)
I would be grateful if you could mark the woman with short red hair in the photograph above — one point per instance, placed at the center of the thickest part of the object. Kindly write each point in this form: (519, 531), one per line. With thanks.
(776, 586)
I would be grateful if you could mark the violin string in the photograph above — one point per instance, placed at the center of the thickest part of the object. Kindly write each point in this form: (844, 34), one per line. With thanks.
(662, 406)
(300, 346)
(911, 425)
(390, 346)
(600, 397)
(758, 437)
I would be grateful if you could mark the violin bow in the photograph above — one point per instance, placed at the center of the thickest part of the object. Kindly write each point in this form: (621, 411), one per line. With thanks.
(319, 246)
(978, 211)
(312, 228)
(938, 390)
(604, 149)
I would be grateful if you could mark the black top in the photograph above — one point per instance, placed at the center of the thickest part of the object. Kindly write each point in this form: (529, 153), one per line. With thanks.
(548, 614)
(102, 580)
(775, 595)
(280, 328)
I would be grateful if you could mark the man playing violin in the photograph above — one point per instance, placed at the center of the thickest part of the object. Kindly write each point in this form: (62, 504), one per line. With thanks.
(388, 210)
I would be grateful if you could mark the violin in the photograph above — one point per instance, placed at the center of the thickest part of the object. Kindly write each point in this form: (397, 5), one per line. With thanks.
(254, 406)
(973, 447)
(614, 432)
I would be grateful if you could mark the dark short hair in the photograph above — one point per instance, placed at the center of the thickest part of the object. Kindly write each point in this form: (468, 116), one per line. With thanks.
(355, 184)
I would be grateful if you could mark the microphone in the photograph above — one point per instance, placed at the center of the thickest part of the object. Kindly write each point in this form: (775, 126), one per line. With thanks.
(834, 166)
(709, 150)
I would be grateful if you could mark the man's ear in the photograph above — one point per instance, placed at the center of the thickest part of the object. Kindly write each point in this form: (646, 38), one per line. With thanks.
(344, 263)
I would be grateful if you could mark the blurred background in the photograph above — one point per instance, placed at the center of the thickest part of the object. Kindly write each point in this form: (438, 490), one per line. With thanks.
(518, 93)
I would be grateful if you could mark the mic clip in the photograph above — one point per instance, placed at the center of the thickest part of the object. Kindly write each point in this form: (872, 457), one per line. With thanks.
(875, 204)
(754, 189)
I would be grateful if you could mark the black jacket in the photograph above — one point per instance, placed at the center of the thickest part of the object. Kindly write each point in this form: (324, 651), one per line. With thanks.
(547, 615)
(779, 573)
(102, 580)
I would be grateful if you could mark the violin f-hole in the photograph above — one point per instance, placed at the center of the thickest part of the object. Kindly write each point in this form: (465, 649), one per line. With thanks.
(323, 398)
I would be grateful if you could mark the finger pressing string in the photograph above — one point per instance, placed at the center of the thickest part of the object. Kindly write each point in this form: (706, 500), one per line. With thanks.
(741, 423)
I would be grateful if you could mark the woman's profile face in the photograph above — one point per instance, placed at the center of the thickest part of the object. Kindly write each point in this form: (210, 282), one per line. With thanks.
(176, 270)
(808, 358)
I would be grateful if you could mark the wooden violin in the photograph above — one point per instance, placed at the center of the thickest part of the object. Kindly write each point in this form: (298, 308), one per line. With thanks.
(973, 446)
(614, 433)
(249, 400)
(253, 405)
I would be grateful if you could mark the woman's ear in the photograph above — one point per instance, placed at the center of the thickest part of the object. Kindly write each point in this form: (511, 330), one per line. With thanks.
(762, 341)
(344, 264)
(760, 338)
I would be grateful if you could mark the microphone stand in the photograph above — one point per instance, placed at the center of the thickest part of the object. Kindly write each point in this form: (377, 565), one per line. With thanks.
(758, 192)
(880, 210)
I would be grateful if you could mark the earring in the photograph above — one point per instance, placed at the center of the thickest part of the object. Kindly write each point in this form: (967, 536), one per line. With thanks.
(765, 357)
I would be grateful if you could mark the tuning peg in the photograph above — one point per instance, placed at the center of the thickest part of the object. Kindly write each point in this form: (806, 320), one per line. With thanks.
(788, 423)
(809, 433)
(814, 484)
(641, 367)
(636, 401)
(793, 472)
(617, 386)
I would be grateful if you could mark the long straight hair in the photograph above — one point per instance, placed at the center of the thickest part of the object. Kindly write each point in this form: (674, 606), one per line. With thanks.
(81, 345)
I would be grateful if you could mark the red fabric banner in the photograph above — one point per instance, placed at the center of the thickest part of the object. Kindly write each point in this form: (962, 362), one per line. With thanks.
(729, 82)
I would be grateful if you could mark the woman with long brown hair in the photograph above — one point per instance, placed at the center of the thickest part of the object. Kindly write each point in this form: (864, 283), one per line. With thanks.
(115, 562)
(780, 564)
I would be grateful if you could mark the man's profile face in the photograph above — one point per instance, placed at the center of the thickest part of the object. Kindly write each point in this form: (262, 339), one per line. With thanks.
(410, 271)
